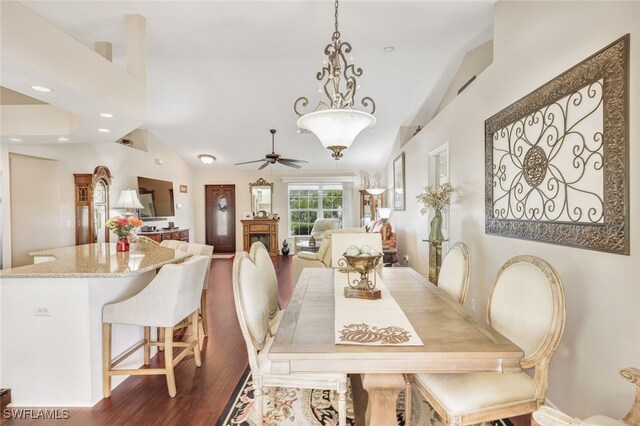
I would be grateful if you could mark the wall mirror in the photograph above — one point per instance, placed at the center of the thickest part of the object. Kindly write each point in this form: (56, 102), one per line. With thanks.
(261, 197)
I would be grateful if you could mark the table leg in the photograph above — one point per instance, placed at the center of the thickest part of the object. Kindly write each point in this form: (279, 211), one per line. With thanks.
(380, 400)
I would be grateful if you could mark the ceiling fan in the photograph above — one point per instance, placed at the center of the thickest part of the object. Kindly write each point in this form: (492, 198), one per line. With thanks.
(274, 158)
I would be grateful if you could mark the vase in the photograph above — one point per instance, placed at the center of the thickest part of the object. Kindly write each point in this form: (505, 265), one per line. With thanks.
(122, 244)
(285, 248)
(436, 227)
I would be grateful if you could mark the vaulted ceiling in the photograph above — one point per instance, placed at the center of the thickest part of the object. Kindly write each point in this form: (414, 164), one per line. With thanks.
(222, 73)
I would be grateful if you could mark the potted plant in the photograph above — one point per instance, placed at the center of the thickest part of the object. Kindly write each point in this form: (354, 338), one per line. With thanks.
(436, 200)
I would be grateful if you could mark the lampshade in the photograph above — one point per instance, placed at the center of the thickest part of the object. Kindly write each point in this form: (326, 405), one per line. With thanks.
(128, 200)
(336, 127)
(384, 212)
(375, 191)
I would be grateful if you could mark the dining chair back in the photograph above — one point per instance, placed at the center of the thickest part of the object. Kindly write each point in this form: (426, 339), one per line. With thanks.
(260, 257)
(454, 273)
(341, 241)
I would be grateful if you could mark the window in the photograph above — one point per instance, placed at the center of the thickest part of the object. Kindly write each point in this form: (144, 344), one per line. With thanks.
(308, 202)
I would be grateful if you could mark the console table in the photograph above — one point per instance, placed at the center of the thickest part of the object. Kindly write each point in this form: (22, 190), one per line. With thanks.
(263, 230)
(170, 234)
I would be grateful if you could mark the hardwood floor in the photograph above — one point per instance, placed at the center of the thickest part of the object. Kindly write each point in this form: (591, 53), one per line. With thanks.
(202, 392)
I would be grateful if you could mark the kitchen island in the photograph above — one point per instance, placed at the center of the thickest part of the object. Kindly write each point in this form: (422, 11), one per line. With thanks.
(51, 319)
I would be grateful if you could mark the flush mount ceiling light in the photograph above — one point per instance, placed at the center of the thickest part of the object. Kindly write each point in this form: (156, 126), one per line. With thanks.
(106, 115)
(15, 139)
(104, 130)
(206, 158)
(337, 123)
(63, 139)
(41, 89)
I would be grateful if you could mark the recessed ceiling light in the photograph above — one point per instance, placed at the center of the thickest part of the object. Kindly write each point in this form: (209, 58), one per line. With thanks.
(41, 89)
(104, 130)
(15, 139)
(106, 115)
(206, 158)
(63, 139)
(389, 49)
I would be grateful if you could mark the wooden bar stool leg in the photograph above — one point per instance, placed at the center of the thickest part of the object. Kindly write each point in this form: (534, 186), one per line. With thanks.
(160, 337)
(168, 360)
(106, 360)
(147, 347)
(203, 312)
(196, 348)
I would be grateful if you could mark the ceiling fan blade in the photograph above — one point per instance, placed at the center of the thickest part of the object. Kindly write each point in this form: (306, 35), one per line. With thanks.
(249, 162)
(266, 163)
(286, 163)
(291, 160)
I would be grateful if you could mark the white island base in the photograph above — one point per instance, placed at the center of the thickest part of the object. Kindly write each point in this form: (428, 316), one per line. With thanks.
(52, 331)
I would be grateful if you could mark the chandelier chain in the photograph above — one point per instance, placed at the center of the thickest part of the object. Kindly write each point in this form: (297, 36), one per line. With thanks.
(336, 34)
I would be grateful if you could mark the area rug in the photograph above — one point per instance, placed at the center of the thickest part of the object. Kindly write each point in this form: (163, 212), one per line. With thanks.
(312, 407)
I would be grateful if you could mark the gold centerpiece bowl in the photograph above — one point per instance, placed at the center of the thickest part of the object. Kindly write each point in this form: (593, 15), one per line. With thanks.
(362, 288)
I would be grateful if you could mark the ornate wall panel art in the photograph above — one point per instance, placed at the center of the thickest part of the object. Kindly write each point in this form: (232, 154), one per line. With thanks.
(556, 160)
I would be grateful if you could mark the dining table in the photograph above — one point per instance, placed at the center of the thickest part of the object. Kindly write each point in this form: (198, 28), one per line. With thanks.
(453, 340)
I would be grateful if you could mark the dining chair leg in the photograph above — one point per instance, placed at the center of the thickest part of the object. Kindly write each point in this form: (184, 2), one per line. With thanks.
(147, 346)
(342, 407)
(168, 360)
(257, 397)
(196, 348)
(407, 400)
(106, 360)
(203, 312)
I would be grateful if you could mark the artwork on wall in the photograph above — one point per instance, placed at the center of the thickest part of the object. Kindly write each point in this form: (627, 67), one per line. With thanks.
(399, 195)
(183, 188)
(556, 166)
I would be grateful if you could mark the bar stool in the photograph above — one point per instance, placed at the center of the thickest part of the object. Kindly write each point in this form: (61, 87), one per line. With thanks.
(173, 294)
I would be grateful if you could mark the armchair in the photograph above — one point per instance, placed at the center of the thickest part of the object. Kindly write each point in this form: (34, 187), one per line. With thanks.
(321, 259)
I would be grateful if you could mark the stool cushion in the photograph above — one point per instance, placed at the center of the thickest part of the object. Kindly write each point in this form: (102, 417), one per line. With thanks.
(602, 421)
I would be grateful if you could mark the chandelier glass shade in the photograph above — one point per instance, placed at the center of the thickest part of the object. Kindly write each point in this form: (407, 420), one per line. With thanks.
(336, 123)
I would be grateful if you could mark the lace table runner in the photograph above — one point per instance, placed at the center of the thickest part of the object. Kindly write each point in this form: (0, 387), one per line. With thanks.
(370, 322)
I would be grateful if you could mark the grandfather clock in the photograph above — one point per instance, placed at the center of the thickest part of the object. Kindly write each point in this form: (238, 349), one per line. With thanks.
(92, 205)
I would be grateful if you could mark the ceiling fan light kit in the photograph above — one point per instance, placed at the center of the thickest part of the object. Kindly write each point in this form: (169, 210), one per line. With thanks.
(336, 123)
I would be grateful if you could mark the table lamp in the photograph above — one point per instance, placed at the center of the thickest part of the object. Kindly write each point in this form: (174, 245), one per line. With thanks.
(128, 200)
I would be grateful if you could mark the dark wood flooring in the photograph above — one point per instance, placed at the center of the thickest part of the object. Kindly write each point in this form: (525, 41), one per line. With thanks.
(202, 392)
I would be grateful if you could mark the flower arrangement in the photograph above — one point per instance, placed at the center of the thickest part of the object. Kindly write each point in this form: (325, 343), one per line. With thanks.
(433, 199)
(122, 226)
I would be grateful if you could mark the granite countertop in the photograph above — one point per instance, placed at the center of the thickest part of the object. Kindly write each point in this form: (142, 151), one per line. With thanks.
(98, 260)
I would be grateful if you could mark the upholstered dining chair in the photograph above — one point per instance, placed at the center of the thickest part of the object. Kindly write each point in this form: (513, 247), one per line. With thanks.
(260, 257)
(252, 307)
(342, 241)
(199, 250)
(526, 305)
(172, 244)
(546, 416)
(454, 273)
(321, 259)
(171, 296)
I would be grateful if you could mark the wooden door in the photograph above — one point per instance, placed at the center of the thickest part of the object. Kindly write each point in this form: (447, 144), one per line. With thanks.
(220, 216)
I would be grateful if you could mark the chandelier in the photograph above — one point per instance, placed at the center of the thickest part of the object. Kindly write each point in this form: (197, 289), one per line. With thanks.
(336, 123)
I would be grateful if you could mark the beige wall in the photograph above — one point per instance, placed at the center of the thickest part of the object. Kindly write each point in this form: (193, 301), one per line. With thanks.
(602, 331)
(125, 164)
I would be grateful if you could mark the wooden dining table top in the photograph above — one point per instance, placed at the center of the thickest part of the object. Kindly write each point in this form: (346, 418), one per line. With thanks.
(454, 341)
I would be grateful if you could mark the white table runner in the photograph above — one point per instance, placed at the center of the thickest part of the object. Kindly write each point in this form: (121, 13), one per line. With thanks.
(370, 322)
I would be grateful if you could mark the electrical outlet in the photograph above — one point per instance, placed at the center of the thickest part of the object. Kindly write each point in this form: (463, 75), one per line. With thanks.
(42, 311)
(473, 305)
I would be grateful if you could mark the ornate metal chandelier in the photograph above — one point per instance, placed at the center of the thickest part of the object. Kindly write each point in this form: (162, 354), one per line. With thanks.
(336, 123)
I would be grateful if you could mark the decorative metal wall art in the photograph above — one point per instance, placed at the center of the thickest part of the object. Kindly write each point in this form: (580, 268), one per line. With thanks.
(556, 160)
